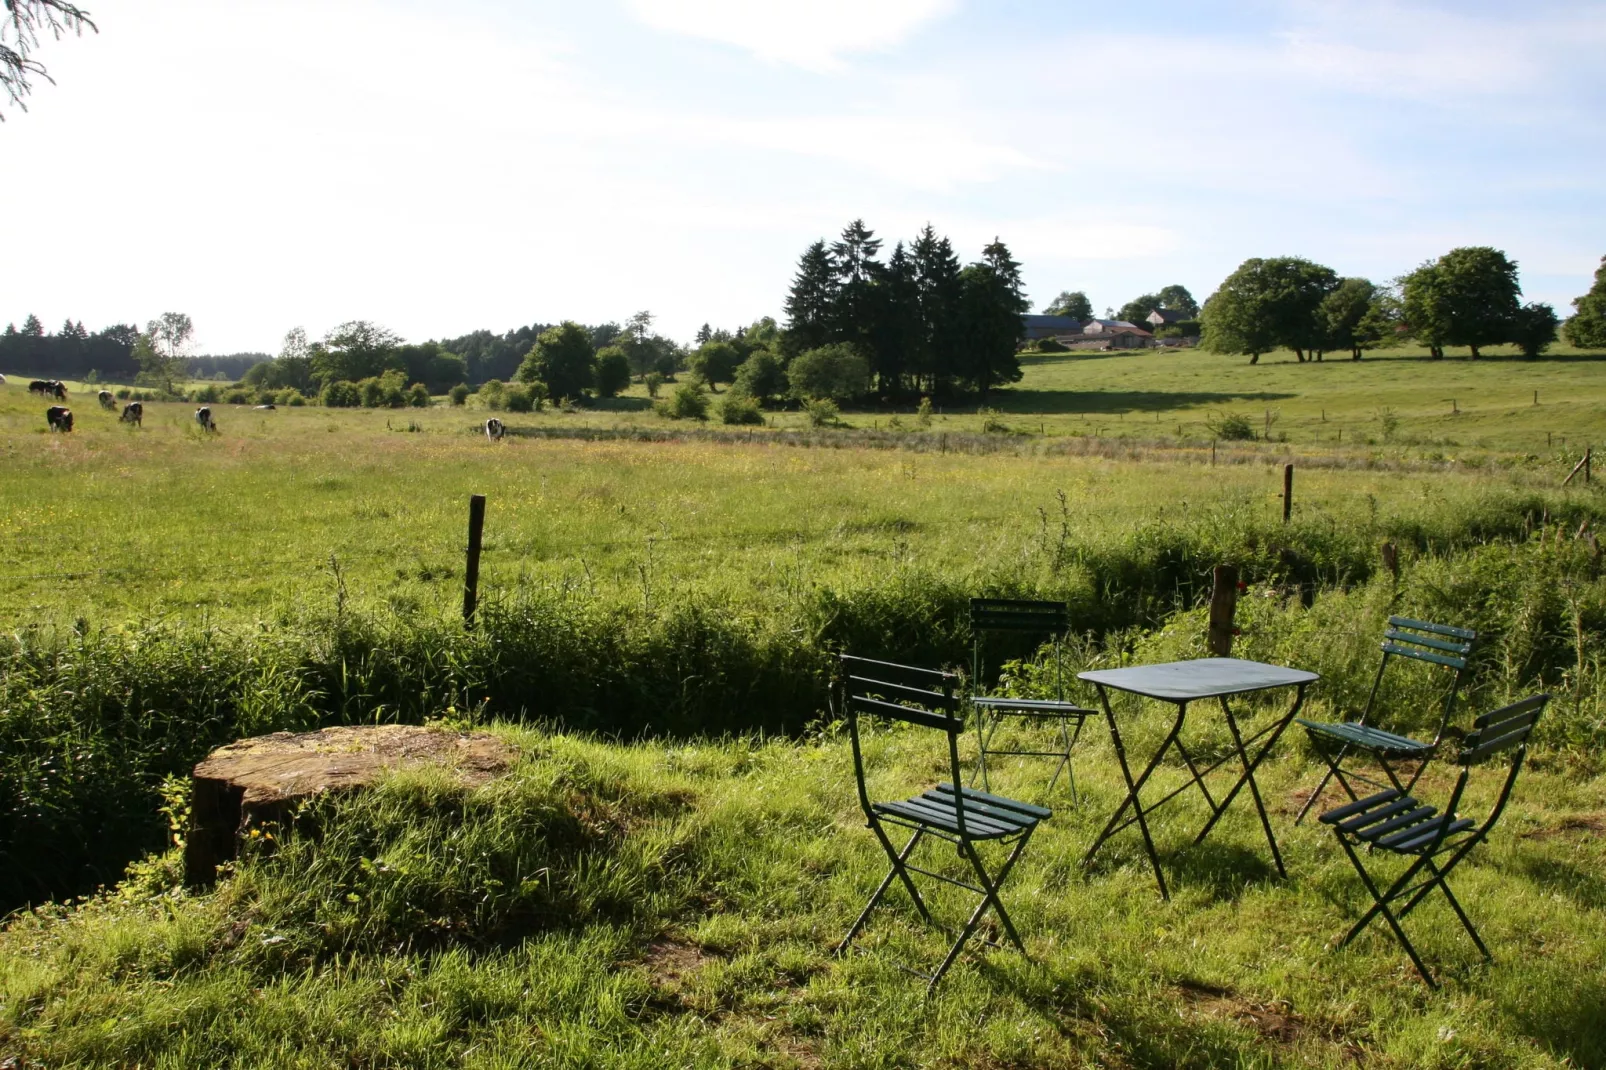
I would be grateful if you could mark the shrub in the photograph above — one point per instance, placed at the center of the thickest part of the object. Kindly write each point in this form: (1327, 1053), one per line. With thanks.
(123, 392)
(292, 397)
(1232, 427)
(493, 394)
(923, 413)
(458, 394)
(239, 397)
(837, 371)
(655, 383)
(992, 423)
(563, 359)
(688, 402)
(739, 408)
(340, 394)
(761, 375)
(822, 412)
(613, 371)
(715, 362)
(207, 395)
(519, 400)
(1050, 345)
(418, 396)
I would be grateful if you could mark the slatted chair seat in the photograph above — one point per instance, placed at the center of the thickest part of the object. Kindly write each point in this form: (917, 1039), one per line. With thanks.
(948, 811)
(1441, 645)
(1023, 617)
(1395, 822)
(1366, 738)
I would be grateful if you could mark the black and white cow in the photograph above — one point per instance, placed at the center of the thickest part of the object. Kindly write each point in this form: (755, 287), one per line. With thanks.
(106, 400)
(133, 413)
(203, 416)
(41, 387)
(59, 417)
(494, 429)
(269, 407)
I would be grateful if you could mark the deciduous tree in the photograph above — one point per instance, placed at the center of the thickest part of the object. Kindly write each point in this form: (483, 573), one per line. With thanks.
(563, 360)
(1072, 303)
(1586, 328)
(1265, 304)
(1534, 328)
(837, 371)
(613, 371)
(1480, 294)
(715, 363)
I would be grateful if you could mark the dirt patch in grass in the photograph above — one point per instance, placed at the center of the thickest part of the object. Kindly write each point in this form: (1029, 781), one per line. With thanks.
(669, 959)
(1593, 823)
(1274, 1021)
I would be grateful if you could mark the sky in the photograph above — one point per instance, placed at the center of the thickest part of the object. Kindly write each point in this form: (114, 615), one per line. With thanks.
(440, 168)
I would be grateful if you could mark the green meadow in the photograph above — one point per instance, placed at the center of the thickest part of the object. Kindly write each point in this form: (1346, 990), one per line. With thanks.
(661, 879)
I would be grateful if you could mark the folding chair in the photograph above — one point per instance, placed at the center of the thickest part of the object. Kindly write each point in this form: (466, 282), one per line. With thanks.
(1394, 823)
(992, 615)
(1435, 644)
(949, 811)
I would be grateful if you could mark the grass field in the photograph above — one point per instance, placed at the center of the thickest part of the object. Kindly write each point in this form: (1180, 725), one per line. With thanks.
(673, 902)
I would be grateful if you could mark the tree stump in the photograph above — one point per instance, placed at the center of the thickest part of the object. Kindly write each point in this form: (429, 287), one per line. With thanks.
(261, 779)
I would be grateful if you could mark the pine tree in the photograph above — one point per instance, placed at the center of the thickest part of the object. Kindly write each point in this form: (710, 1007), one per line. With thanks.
(896, 332)
(937, 287)
(32, 327)
(994, 302)
(810, 305)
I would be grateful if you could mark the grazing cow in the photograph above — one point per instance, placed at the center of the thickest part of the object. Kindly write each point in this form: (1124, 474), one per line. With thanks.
(40, 386)
(2, 380)
(203, 416)
(133, 413)
(269, 407)
(59, 417)
(106, 400)
(494, 429)
(55, 389)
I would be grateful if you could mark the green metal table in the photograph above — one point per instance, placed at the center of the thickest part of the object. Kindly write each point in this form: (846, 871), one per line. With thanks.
(1180, 683)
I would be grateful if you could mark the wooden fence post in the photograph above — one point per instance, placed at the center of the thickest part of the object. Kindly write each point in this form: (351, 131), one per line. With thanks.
(471, 573)
(1391, 560)
(1288, 492)
(1223, 608)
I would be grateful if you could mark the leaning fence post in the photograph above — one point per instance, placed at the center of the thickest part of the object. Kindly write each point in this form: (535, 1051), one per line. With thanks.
(471, 573)
(1288, 492)
(1223, 607)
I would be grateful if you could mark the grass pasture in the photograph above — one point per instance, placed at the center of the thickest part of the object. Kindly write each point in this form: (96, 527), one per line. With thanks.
(660, 882)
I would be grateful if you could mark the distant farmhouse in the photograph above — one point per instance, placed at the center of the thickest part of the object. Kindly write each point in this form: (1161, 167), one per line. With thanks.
(1164, 317)
(1093, 334)
(1038, 327)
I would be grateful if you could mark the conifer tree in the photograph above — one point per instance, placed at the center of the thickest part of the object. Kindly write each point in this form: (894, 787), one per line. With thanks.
(811, 303)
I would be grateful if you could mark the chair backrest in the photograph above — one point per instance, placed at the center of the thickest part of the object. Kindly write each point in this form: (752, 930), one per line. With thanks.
(908, 693)
(1495, 732)
(1435, 644)
(1020, 615)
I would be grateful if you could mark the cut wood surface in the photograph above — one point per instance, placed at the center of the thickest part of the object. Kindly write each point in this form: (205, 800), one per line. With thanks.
(258, 779)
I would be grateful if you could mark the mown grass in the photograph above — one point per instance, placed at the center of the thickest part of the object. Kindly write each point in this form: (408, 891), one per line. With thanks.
(651, 906)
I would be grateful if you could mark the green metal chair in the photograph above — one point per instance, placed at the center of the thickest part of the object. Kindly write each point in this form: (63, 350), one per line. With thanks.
(950, 812)
(1392, 822)
(990, 616)
(1415, 640)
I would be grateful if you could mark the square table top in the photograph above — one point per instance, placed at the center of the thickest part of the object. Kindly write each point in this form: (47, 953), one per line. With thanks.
(1184, 681)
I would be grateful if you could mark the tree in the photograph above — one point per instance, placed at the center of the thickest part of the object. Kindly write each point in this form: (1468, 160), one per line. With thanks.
(356, 350)
(715, 363)
(1137, 310)
(837, 371)
(705, 333)
(1176, 298)
(993, 303)
(1424, 308)
(938, 291)
(19, 36)
(1265, 304)
(1480, 291)
(810, 306)
(613, 371)
(1586, 328)
(1534, 328)
(156, 368)
(562, 359)
(761, 376)
(1072, 303)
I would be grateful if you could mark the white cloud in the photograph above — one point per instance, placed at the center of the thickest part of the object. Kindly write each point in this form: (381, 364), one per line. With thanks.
(813, 34)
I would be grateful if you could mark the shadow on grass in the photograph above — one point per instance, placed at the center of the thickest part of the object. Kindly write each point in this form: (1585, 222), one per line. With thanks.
(621, 404)
(1224, 871)
(1094, 402)
(1567, 1020)
(1584, 887)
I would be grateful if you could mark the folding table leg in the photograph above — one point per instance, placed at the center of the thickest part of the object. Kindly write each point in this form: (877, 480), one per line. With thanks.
(1133, 798)
(1332, 768)
(1254, 789)
(897, 870)
(1250, 765)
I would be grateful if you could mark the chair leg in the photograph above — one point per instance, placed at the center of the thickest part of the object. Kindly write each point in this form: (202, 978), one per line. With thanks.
(1455, 905)
(1332, 770)
(1380, 903)
(1070, 769)
(990, 886)
(897, 870)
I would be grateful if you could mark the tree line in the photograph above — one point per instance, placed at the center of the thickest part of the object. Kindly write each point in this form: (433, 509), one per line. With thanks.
(1468, 297)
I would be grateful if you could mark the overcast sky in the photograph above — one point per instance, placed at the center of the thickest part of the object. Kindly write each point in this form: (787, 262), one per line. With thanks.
(262, 164)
